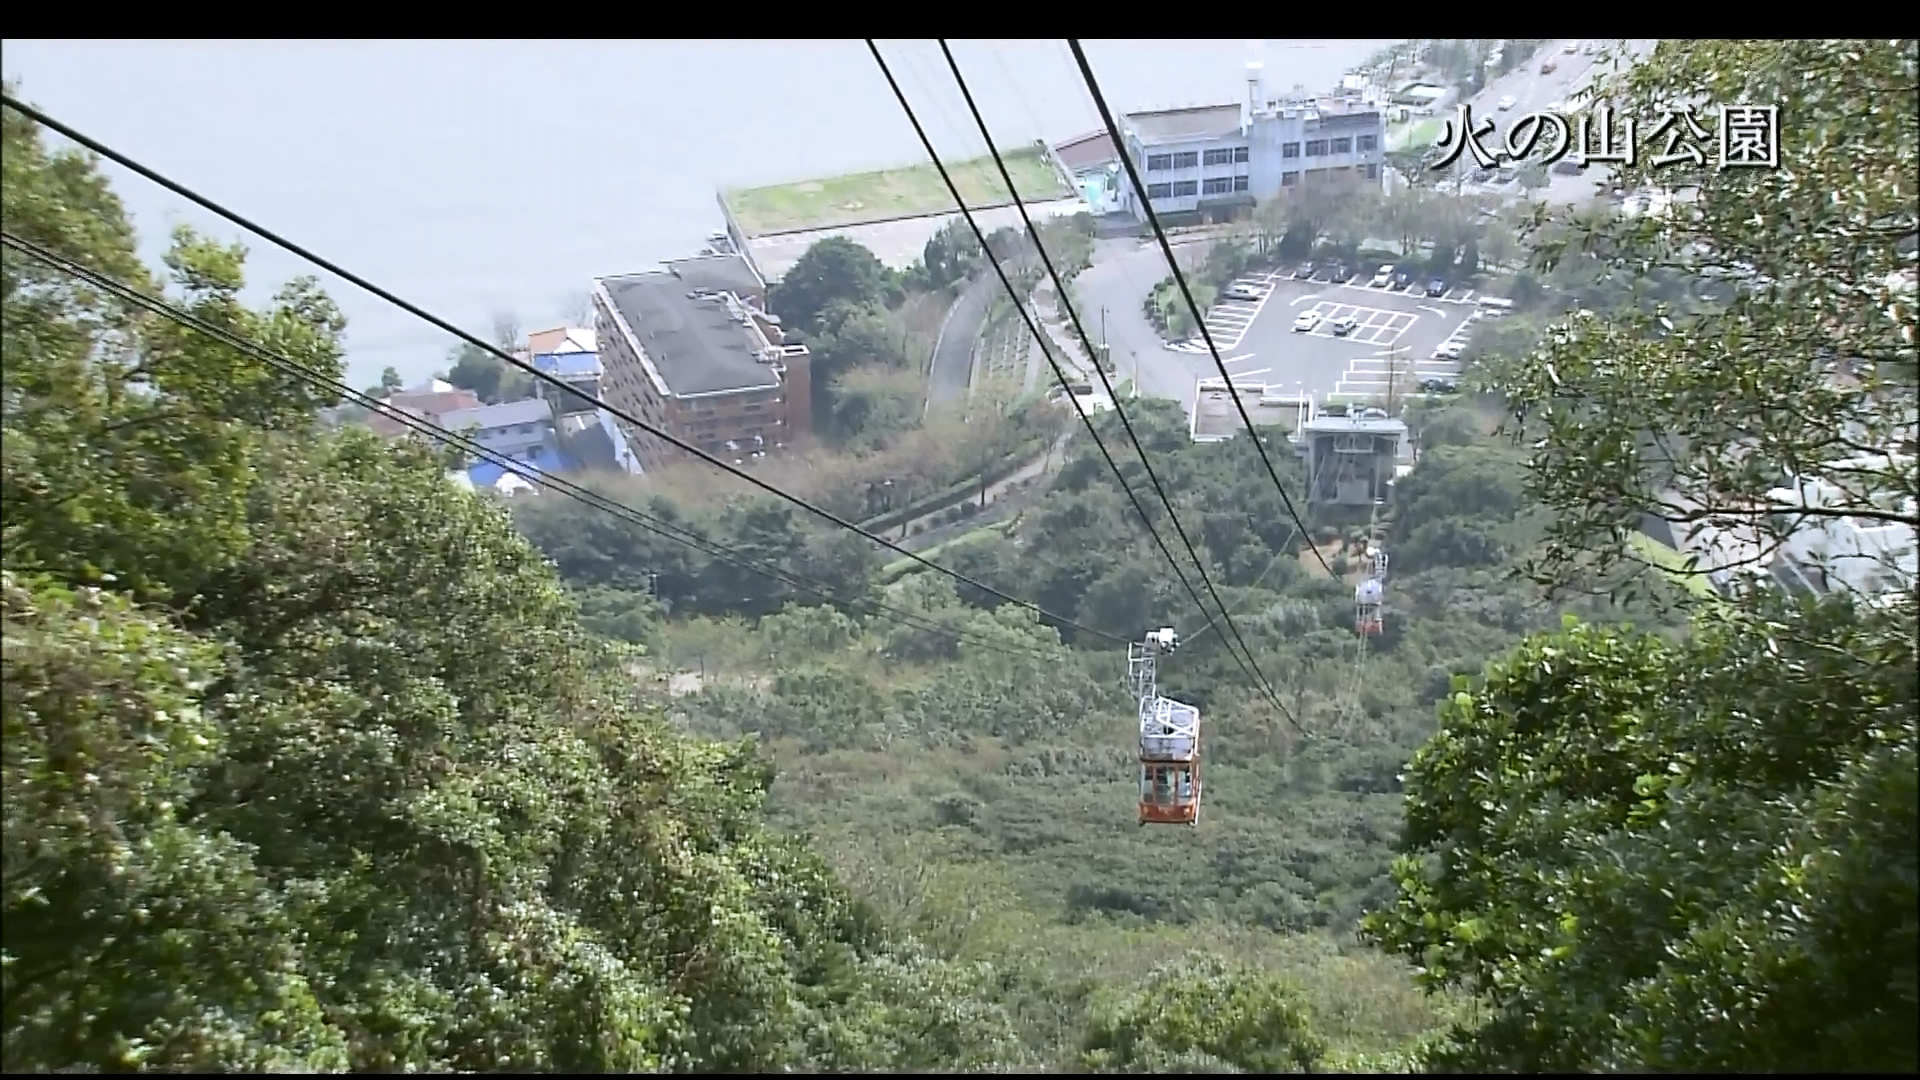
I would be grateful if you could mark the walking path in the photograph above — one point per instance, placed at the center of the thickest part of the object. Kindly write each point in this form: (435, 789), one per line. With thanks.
(1067, 346)
(1031, 469)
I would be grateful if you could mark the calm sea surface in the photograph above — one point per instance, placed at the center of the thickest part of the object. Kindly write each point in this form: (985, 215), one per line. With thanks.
(483, 177)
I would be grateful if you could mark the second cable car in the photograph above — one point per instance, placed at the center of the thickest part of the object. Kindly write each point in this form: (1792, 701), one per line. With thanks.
(1366, 607)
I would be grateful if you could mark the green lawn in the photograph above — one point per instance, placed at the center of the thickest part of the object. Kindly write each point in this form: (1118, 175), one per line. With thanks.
(1419, 133)
(1672, 563)
(889, 193)
(899, 567)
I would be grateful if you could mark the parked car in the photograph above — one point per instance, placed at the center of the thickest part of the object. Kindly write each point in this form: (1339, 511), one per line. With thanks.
(1342, 273)
(1306, 321)
(1383, 276)
(1450, 350)
(1343, 326)
(1437, 287)
(1240, 290)
(1305, 270)
(1506, 103)
(1402, 279)
(1439, 386)
(1571, 47)
(1569, 167)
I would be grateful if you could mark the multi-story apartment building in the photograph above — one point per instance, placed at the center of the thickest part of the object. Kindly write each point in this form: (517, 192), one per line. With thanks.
(690, 350)
(1214, 158)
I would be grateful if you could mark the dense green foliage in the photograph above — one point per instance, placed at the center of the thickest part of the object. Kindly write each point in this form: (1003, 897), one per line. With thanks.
(309, 765)
(315, 762)
(1702, 855)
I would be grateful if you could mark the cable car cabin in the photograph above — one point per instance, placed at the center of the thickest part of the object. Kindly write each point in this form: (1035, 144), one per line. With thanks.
(1169, 762)
(1169, 794)
(1366, 608)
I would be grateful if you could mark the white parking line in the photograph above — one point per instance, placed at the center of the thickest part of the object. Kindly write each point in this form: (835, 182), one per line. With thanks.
(1372, 326)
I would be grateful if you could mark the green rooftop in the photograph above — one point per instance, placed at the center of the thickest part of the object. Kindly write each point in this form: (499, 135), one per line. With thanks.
(890, 193)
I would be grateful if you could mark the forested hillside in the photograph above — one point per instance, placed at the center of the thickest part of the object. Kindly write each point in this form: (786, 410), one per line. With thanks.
(316, 762)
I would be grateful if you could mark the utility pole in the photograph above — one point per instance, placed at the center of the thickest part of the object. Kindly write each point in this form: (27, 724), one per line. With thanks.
(1393, 377)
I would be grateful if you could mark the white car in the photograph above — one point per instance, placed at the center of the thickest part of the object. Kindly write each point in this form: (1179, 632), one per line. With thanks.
(1383, 277)
(1343, 326)
(1306, 321)
(1240, 290)
(1506, 103)
(1449, 351)
(1570, 48)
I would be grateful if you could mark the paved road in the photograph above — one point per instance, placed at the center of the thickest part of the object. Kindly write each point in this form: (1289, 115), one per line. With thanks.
(1124, 271)
(951, 368)
(1533, 92)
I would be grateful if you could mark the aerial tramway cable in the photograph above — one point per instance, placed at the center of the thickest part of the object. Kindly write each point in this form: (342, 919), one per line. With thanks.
(1249, 665)
(658, 526)
(1180, 280)
(555, 382)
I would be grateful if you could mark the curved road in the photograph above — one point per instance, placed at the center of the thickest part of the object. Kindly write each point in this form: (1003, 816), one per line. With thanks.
(1124, 270)
(951, 369)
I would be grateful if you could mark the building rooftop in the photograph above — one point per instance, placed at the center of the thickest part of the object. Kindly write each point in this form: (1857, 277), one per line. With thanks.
(561, 339)
(505, 414)
(1085, 153)
(1214, 418)
(889, 194)
(1198, 122)
(697, 342)
(1336, 425)
(723, 273)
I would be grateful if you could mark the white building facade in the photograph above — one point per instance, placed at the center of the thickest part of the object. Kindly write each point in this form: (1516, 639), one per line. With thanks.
(1214, 158)
(1867, 557)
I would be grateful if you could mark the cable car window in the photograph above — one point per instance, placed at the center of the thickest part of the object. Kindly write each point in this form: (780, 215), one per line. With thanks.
(1163, 785)
(1146, 783)
(1186, 785)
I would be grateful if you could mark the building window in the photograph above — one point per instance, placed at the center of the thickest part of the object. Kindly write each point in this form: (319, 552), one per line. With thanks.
(1289, 179)
(1186, 159)
(1368, 142)
(1217, 185)
(1239, 183)
(1159, 162)
(1316, 148)
(1159, 191)
(1185, 189)
(1240, 155)
(1218, 157)
(1343, 145)
(1373, 172)
(1290, 150)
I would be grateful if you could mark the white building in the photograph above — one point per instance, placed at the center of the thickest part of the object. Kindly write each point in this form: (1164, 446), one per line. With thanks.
(522, 430)
(1865, 556)
(1214, 158)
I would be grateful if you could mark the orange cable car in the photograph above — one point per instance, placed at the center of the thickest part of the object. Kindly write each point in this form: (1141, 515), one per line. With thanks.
(1169, 762)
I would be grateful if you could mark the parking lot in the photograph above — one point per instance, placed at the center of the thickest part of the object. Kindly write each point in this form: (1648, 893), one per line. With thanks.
(1228, 320)
(1357, 324)
(1394, 335)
